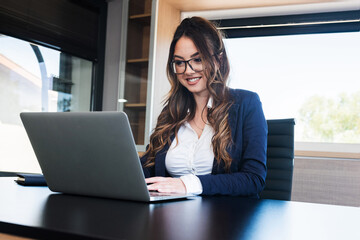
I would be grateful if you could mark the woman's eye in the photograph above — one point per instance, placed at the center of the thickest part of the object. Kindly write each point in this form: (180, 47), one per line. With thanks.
(197, 60)
(179, 63)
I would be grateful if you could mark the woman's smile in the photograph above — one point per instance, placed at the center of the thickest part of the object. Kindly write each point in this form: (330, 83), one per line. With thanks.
(193, 80)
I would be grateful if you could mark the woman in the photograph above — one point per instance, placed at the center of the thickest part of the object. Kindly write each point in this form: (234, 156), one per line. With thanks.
(209, 139)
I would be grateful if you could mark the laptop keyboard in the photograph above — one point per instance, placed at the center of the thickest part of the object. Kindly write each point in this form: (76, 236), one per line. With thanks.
(159, 194)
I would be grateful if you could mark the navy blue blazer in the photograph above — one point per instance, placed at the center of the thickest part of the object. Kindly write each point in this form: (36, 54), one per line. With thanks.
(248, 152)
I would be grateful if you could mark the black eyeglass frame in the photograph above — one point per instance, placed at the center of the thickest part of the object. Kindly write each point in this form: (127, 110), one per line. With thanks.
(187, 62)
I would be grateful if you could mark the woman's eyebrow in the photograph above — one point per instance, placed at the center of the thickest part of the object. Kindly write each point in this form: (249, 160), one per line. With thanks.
(178, 56)
(193, 55)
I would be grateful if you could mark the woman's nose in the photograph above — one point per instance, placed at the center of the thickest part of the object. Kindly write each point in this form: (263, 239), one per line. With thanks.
(188, 69)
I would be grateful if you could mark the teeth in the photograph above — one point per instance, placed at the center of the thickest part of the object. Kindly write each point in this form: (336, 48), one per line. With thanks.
(193, 79)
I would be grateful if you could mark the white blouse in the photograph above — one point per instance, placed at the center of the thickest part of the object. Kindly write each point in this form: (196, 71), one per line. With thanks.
(191, 156)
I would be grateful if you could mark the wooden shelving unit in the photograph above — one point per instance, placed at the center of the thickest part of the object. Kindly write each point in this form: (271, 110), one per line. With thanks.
(142, 18)
(137, 64)
(135, 105)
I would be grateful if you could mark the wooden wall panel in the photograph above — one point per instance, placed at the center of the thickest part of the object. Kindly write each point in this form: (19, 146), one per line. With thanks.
(203, 5)
(168, 18)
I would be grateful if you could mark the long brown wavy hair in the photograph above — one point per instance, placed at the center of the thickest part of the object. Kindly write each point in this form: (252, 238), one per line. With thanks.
(180, 104)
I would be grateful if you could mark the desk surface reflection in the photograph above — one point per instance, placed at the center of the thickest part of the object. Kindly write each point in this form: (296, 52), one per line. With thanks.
(38, 213)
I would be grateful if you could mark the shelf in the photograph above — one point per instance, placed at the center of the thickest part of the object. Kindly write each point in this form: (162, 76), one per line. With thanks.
(144, 15)
(135, 105)
(141, 18)
(138, 60)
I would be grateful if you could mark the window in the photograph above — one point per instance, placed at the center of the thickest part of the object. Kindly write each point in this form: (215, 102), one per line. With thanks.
(51, 59)
(36, 78)
(303, 67)
(313, 78)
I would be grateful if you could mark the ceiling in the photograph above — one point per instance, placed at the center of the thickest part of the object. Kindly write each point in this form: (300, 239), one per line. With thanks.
(206, 5)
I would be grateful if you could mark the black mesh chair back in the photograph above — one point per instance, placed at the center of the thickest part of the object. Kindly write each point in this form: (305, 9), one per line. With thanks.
(280, 159)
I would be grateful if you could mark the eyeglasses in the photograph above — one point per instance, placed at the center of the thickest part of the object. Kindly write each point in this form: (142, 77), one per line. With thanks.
(179, 66)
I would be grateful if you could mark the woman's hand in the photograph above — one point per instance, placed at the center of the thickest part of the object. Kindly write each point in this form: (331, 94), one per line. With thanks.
(166, 184)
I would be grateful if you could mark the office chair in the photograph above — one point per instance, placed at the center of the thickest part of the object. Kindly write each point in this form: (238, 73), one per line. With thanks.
(280, 159)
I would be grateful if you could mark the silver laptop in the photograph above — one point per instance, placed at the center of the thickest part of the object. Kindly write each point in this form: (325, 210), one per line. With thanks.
(91, 154)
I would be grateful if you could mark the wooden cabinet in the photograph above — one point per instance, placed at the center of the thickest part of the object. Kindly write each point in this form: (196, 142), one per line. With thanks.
(136, 81)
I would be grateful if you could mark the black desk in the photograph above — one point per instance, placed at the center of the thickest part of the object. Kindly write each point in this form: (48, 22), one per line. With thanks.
(38, 213)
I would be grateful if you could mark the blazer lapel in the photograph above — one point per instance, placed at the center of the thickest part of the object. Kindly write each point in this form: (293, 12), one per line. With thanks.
(233, 116)
(160, 162)
(160, 169)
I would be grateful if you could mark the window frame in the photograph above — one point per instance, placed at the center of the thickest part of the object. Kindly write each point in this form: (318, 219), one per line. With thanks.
(330, 22)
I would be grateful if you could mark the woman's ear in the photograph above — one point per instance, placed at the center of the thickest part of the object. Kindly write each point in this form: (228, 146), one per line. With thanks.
(220, 57)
